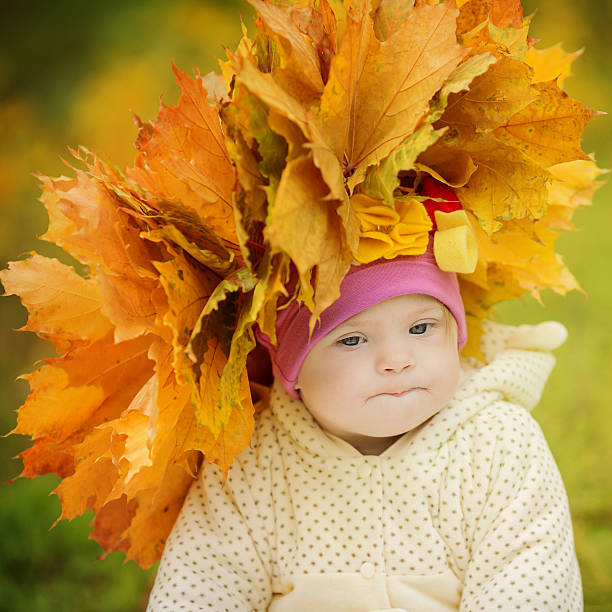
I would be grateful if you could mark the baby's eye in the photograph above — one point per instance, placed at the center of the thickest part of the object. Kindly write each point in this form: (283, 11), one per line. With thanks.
(351, 340)
(420, 328)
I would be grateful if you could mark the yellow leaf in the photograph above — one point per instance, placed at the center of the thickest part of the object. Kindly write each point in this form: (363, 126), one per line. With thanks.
(573, 185)
(549, 129)
(450, 166)
(305, 225)
(551, 64)
(492, 99)
(268, 291)
(264, 86)
(389, 15)
(505, 185)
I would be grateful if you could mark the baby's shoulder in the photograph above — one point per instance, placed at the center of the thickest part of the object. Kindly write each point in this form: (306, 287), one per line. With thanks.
(503, 432)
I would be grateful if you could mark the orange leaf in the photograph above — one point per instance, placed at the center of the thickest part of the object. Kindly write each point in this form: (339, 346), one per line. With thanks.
(46, 456)
(155, 516)
(299, 70)
(551, 64)
(64, 308)
(89, 386)
(405, 71)
(183, 157)
(87, 220)
(502, 13)
(94, 475)
(188, 288)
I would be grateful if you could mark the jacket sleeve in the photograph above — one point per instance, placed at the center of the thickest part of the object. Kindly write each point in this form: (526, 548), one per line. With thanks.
(522, 549)
(216, 557)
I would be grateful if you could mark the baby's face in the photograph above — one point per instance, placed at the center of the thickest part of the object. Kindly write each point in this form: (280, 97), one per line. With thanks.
(382, 372)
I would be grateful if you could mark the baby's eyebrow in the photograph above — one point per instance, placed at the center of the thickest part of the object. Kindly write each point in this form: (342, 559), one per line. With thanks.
(362, 318)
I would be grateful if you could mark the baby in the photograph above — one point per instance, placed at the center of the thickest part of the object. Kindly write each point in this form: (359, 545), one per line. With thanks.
(385, 472)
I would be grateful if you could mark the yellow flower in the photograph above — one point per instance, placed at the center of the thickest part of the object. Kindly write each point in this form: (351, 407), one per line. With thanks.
(389, 232)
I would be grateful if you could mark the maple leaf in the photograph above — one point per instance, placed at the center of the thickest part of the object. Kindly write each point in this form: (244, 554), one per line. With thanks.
(501, 13)
(298, 68)
(549, 129)
(306, 226)
(188, 288)
(64, 307)
(505, 185)
(182, 156)
(496, 26)
(87, 222)
(552, 64)
(573, 185)
(491, 100)
(406, 70)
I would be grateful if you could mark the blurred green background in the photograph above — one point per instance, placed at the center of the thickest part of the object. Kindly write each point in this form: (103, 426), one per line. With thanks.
(75, 73)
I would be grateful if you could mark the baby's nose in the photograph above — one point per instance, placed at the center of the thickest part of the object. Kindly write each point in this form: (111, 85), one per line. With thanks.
(395, 358)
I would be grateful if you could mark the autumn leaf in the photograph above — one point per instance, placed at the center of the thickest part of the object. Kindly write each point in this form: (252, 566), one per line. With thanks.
(549, 129)
(305, 225)
(492, 99)
(406, 70)
(505, 185)
(94, 476)
(86, 387)
(496, 26)
(64, 307)
(182, 157)
(501, 13)
(188, 288)
(552, 64)
(299, 69)
(389, 15)
(382, 180)
(87, 221)
(157, 511)
(573, 185)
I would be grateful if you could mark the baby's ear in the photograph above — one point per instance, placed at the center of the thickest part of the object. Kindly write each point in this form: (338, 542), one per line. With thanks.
(545, 336)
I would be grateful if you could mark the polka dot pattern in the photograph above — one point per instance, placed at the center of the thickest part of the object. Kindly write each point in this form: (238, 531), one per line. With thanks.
(468, 512)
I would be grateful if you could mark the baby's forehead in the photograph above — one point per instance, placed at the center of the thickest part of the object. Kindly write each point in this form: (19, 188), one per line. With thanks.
(411, 306)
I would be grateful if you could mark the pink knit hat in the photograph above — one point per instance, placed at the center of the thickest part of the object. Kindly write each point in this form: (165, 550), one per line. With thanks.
(362, 287)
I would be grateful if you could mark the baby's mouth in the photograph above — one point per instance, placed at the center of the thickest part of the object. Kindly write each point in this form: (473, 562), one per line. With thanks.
(399, 393)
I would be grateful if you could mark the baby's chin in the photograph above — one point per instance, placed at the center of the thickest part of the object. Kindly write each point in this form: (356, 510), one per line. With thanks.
(396, 414)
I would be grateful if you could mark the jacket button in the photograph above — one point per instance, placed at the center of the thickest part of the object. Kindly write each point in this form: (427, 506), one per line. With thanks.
(364, 471)
(367, 570)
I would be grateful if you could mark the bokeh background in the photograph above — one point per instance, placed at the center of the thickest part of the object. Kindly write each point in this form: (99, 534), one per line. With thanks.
(75, 72)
